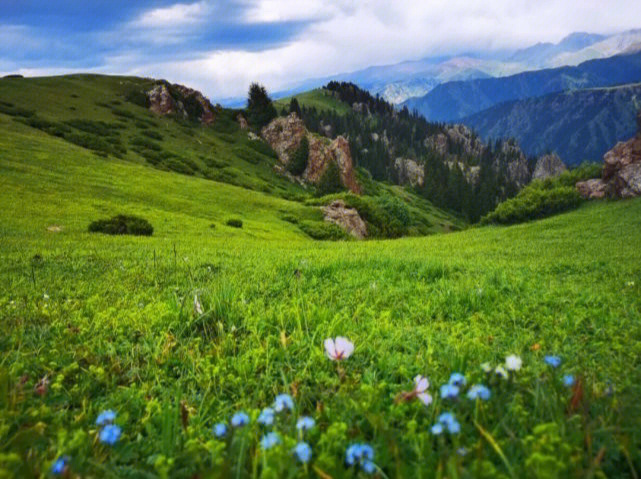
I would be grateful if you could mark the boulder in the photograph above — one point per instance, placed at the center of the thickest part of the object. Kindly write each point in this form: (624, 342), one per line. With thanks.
(284, 135)
(167, 99)
(622, 167)
(548, 166)
(347, 218)
(409, 171)
(592, 189)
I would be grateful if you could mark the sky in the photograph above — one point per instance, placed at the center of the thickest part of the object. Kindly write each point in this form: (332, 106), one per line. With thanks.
(221, 46)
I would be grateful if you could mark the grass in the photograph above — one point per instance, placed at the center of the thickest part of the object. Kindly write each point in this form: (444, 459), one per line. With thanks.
(319, 98)
(110, 322)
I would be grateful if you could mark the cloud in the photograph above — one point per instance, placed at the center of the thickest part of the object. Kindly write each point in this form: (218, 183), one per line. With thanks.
(178, 15)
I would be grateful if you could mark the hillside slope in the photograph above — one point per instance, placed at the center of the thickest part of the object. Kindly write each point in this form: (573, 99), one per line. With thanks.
(455, 100)
(83, 125)
(580, 125)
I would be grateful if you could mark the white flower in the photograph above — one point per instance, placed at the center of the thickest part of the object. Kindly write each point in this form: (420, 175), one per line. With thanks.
(513, 362)
(339, 348)
(198, 308)
(421, 384)
(486, 367)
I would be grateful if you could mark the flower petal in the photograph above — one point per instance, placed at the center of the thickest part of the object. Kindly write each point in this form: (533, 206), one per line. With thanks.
(330, 348)
(425, 398)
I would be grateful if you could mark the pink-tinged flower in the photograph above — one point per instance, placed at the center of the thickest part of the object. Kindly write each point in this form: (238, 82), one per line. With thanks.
(339, 348)
(421, 383)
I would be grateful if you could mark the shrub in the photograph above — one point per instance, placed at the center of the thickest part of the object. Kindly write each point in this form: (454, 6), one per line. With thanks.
(145, 143)
(152, 134)
(234, 223)
(16, 111)
(322, 230)
(137, 97)
(263, 148)
(260, 109)
(330, 182)
(122, 225)
(175, 164)
(298, 161)
(534, 203)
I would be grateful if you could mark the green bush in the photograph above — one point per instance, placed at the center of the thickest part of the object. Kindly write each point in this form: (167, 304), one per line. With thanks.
(298, 161)
(322, 230)
(534, 203)
(141, 142)
(138, 97)
(234, 223)
(154, 135)
(16, 111)
(263, 148)
(122, 225)
(177, 165)
(330, 182)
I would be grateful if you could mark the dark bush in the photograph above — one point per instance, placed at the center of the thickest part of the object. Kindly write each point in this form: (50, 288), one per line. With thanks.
(330, 182)
(152, 134)
(137, 97)
(99, 128)
(16, 111)
(122, 225)
(298, 161)
(123, 113)
(141, 142)
(322, 231)
(177, 165)
(234, 223)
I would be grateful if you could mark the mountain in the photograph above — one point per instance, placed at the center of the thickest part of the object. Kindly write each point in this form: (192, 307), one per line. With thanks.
(578, 125)
(455, 100)
(541, 54)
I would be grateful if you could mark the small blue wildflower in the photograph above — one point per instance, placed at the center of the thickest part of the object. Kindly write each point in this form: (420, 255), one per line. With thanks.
(449, 391)
(461, 451)
(305, 423)
(282, 402)
(106, 417)
(360, 454)
(303, 452)
(239, 419)
(553, 361)
(478, 391)
(220, 429)
(266, 417)
(270, 440)
(568, 380)
(59, 466)
(368, 467)
(457, 379)
(446, 420)
(110, 434)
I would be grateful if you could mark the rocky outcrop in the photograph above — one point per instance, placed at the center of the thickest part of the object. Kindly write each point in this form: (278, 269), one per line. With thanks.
(347, 218)
(284, 135)
(409, 171)
(548, 166)
(592, 189)
(460, 135)
(622, 167)
(518, 171)
(168, 99)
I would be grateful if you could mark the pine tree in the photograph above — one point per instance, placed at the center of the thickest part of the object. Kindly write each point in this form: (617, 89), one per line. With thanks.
(294, 107)
(260, 109)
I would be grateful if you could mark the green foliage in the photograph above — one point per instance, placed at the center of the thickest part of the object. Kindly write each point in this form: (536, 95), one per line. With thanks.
(320, 230)
(260, 109)
(154, 135)
(138, 97)
(234, 222)
(122, 225)
(330, 181)
(298, 160)
(294, 107)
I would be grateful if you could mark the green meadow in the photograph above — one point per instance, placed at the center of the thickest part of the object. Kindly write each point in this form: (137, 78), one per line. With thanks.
(92, 322)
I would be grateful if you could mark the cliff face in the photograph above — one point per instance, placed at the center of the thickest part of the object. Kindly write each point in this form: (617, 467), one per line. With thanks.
(285, 134)
(548, 166)
(168, 99)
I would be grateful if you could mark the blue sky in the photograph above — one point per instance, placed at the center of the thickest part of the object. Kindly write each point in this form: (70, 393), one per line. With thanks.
(220, 46)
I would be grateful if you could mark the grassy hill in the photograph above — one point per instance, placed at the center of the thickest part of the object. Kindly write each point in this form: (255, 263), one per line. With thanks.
(94, 322)
(579, 125)
(320, 98)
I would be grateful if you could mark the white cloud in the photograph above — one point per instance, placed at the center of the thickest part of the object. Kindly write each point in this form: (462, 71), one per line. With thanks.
(177, 15)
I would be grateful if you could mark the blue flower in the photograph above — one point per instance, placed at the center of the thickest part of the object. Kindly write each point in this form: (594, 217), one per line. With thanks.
(60, 465)
(457, 379)
(303, 452)
(106, 417)
(449, 391)
(446, 420)
(553, 361)
(361, 454)
(110, 434)
(266, 417)
(239, 419)
(568, 380)
(305, 423)
(478, 391)
(220, 429)
(282, 402)
(269, 440)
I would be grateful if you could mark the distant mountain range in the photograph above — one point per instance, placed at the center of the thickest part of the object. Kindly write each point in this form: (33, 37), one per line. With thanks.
(453, 101)
(410, 79)
(578, 125)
